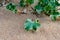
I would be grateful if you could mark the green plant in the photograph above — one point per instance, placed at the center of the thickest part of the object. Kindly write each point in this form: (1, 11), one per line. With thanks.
(48, 7)
(24, 3)
(31, 25)
(12, 7)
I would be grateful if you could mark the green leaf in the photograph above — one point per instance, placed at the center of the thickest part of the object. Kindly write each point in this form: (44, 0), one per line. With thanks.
(22, 3)
(28, 24)
(38, 8)
(36, 25)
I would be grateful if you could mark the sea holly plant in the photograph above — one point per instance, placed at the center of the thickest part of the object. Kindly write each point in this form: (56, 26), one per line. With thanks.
(31, 25)
(49, 7)
(12, 7)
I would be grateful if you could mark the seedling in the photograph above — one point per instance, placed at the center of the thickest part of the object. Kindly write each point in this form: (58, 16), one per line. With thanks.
(12, 7)
(31, 25)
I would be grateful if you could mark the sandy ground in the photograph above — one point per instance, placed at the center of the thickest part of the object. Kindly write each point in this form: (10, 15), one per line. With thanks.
(12, 27)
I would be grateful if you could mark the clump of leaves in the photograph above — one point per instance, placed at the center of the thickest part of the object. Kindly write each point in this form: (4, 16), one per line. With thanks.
(24, 3)
(48, 7)
(31, 25)
(12, 7)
